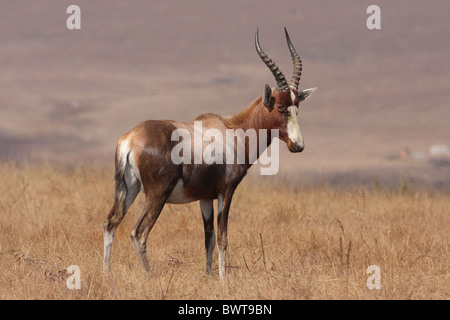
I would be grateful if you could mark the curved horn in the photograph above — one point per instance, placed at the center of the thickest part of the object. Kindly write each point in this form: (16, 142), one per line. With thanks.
(279, 76)
(297, 63)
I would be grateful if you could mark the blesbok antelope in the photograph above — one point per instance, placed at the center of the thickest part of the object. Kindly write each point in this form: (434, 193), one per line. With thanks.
(143, 163)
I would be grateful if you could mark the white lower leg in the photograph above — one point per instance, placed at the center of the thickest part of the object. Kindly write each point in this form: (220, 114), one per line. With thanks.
(108, 238)
(222, 264)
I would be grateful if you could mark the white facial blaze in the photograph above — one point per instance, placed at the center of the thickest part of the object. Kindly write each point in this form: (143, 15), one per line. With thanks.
(293, 128)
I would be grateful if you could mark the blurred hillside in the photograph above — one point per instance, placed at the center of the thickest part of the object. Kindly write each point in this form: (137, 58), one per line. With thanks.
(68, 95)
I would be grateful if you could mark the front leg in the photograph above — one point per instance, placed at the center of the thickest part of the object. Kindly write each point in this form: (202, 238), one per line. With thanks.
(223, 205)
(208, 222)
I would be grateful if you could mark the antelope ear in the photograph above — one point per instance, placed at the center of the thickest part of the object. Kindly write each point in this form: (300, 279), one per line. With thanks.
(303, 95)
(267, 97)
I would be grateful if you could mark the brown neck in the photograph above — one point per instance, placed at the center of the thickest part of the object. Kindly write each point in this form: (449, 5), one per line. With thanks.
(254, 117)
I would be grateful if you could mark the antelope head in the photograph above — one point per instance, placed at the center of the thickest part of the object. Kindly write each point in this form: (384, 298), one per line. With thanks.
(282, 101)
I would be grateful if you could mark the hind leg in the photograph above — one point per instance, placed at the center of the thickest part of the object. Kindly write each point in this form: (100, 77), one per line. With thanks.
(139, 235)
(125, 196)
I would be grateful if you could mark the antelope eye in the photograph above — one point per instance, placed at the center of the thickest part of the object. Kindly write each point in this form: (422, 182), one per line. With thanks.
(284, 110)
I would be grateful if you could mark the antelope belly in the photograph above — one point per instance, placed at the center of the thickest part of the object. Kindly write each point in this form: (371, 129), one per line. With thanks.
(177, 195)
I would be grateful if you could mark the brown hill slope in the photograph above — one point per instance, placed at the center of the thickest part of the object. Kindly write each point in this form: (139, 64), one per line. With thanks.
(68, 95)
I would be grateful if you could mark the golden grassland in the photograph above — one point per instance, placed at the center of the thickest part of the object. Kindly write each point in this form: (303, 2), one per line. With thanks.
(285, 241)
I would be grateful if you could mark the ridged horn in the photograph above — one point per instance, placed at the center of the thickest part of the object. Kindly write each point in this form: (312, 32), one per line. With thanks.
(279, 76)
(297, 74)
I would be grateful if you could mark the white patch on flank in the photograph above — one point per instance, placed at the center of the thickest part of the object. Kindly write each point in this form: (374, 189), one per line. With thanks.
(124, 149)
(134, 176)
(130, 169)
(177, 196)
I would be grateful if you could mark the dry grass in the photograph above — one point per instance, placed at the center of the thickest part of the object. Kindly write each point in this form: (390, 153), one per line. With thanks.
(285, 242)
